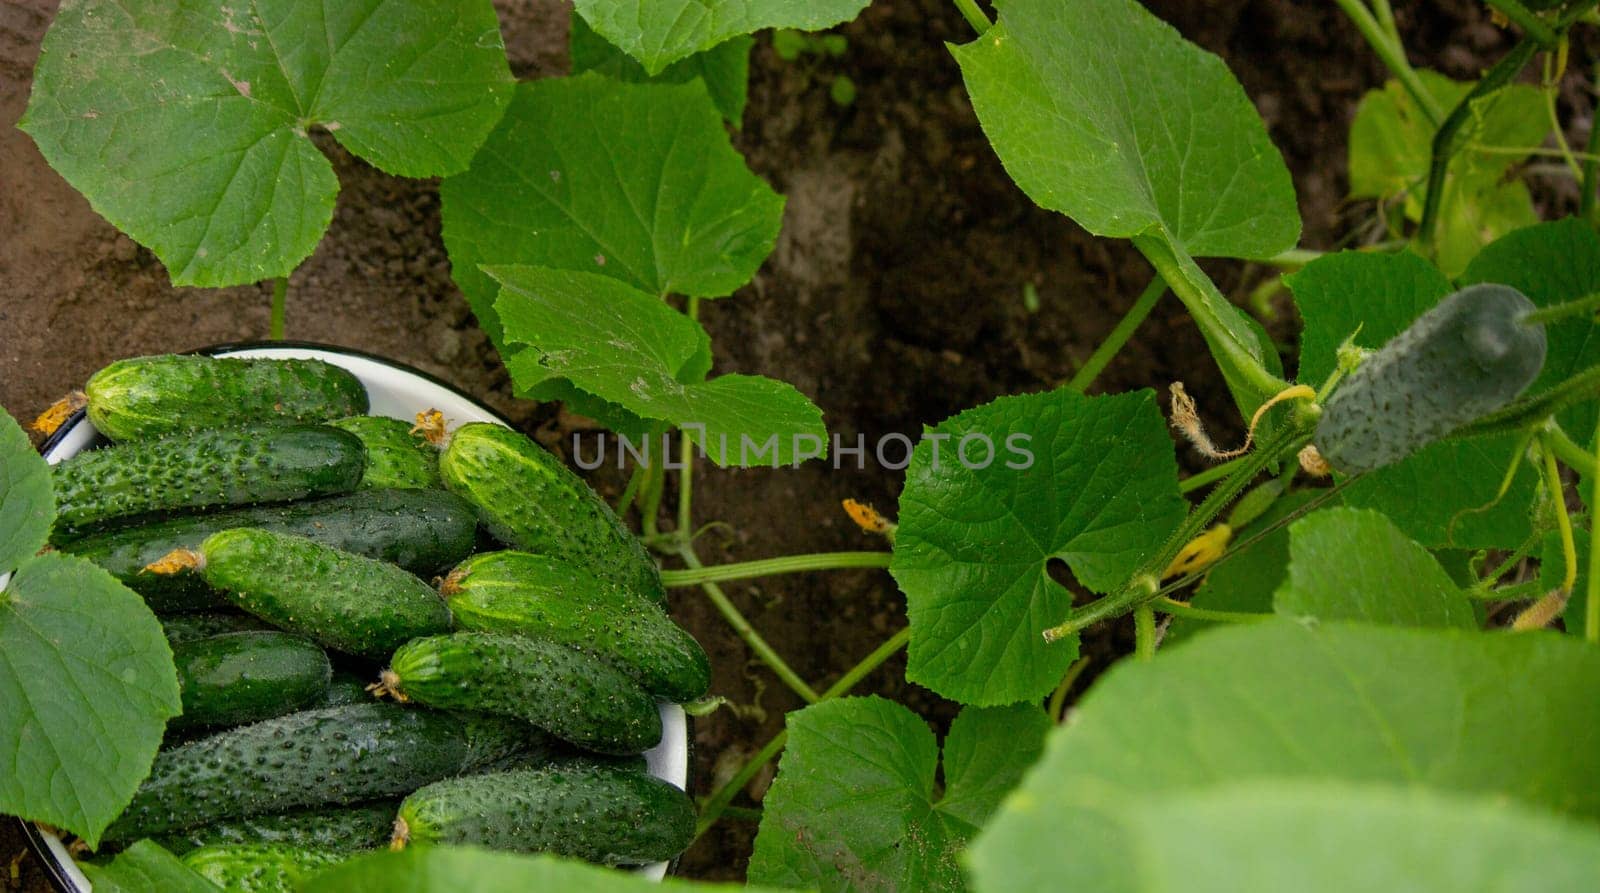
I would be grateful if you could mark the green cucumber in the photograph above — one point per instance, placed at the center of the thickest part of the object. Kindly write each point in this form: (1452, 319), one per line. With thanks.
(182, 628)
(567, 693)
(346, 688)
(1468, 356)
(236, 678)
(259, 867)
(339, 829)
(598, 813)
(330, 756)
(515, 592)
(220, 467)
(423, 531)
(346, 602)
(396, 458)
(529, 500)
(145, 397)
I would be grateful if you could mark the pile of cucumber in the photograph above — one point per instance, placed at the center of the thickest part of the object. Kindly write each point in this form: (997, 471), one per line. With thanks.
(287, 541)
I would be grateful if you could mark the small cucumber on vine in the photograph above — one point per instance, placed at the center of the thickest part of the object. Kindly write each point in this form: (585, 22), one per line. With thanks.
(529, 500)
(259, 867)
(325, 757)
(603, 814)
(396, 458)
(534, 595)
(1468, 356)
(423, 531)
(240, 677)
(346, 602)
(221, 467)
(144, 397)
(569, 694)
(340, 829)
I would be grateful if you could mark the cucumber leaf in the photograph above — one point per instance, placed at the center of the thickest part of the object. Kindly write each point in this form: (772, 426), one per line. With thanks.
(660, 32)
(1316, 837)
(1444, 495)
(1508, 718)
(725, 68)
(451, 869)
(630, 349)
(27, 502)
(856, 805)
(146, 867)
(186, 125)
(634, 181)
(1097, 489)
(1354, 564)
(86, 688)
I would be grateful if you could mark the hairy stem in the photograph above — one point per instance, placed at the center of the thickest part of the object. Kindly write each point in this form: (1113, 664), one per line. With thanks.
(1144, 632)
(745, 631)
(1558, 498)
(1523, 18)
(1393, 54)
(1591, 609)
(1179, 609)
(1057, 706)
(766, 567)
(1084, 377)
(1210, 476)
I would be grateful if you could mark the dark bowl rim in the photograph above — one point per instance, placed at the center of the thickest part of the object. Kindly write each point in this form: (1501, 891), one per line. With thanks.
(30, 830)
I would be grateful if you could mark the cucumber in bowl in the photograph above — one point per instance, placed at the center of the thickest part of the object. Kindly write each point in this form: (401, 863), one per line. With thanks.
(396, 392)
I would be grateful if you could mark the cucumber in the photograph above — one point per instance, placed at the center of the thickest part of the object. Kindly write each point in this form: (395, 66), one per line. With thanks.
(396, 458)
(529, 500)
(236, 678)
(1468, 356)
(146, 397)
(346, 602)
(423, 531)
(331, 756)
(231, 466)
(598, 813)
(514, 592)
(567, 693)
(259, 867)
(339, 829)
(182, 628)
(346, 688)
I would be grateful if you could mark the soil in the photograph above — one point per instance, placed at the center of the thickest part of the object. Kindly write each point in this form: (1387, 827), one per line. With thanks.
(894, 299)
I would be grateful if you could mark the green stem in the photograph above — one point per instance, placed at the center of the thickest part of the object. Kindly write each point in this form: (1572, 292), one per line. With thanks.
(1058, 698)
(748, 633)
(1558, 498)
(867, 664)
(1144, 632)
(1584, 305)
(1385, 15)
(630, 491)
(1523, 18)
(974, 16)
(1215, 473)
(1591, 164)
(766, 567)
(1119, 336)
(686, 456)
(1516, 592)
(1551, 89)
(1393, 55)
(1534, 410)
(655, 481)
(1591, 609)
(741, 813)
(280, 302)
(1486, 583)
(1179, 609)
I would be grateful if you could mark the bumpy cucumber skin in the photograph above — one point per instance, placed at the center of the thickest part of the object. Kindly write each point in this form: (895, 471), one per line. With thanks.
(569, 694)
(531, 501)
(346, 688)
(340, 829)
(144, 397)
(231, 466)
(602, 814)
(423, 531)
(346, 602)
(1468, 356)
(330, 756)
(259, 867)
(396, 458)
(183, 628)
(236, 678)
(534, 595)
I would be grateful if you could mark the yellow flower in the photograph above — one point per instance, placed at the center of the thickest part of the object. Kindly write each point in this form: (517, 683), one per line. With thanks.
(1200, 552)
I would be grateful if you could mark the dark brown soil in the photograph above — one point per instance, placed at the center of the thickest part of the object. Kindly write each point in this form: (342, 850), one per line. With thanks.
(894, 299)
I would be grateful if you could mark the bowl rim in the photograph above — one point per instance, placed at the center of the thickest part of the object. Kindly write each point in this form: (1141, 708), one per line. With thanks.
(32, 834)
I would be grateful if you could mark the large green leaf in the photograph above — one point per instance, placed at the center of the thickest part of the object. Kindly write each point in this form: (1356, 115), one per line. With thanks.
(725, 68)
(1391, 148)
(630, 349)
(660, 32)
(1444, 495)
(1103, 112)
(185, 124)
(1097, 488)
(1312, 837)
(856, 805)
(445, 869)
(86, 687)
(1512, 718)
(1354, 564)
(635, 181)
(27, 503)
(146, 867)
